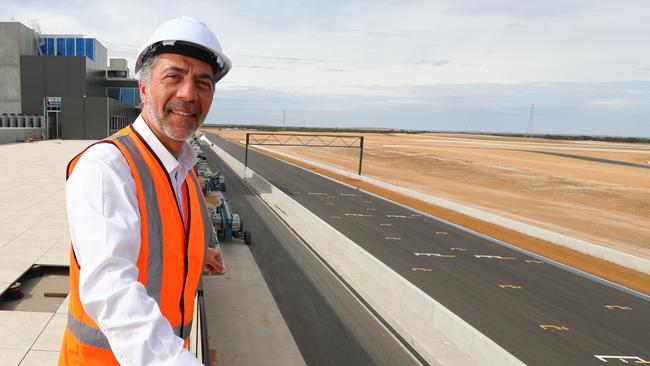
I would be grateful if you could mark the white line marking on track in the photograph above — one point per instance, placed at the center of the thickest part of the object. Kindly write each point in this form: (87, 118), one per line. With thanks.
(392, 238)
(624, 359)
(434, 255)
(399, 216)
(492, 256)
(358, 215)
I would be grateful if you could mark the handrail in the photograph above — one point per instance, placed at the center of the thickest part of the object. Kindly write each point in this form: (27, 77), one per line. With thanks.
(198, 341)
(203, 325)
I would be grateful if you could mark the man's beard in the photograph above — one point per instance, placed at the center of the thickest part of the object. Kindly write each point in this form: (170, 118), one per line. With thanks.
(163, 122)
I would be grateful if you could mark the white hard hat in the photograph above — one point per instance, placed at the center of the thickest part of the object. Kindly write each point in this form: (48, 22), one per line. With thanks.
(189, 37)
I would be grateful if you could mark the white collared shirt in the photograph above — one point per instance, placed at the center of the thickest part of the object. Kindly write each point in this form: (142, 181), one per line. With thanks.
(105, 230)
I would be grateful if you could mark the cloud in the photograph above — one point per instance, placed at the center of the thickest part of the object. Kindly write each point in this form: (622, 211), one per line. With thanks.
(430, 62)
(282, 59)
(264, 67)
(520, 9)
(618, 104)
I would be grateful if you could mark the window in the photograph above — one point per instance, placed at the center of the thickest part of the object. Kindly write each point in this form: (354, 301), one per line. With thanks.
(126, 95)
(113, 93)
(69, 47)
(80, 49)
(60, 46)
(49, 46)
(90, 48)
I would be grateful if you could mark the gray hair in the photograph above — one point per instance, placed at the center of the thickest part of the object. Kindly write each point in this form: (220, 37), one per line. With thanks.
(144, 74)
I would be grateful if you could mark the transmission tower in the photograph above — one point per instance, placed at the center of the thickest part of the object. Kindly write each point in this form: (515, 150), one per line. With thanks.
(529, 130)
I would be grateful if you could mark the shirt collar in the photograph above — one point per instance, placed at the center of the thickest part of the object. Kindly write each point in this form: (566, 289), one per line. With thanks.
(187, 158)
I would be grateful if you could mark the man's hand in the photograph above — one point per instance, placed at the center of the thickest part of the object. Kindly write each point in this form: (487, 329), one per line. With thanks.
(214, 262)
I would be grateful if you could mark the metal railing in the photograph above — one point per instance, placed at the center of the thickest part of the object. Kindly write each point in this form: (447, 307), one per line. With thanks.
(199, 342)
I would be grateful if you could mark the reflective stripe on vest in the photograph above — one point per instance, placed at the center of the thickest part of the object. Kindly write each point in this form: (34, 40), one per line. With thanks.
(207, 229)
(95, 337)
(154, 261)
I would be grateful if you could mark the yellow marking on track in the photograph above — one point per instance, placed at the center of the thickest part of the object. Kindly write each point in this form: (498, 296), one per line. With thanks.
(516, 287)
(459, 249)
(421, 269)
(441, 233)
(392, 238)
(533, 261)
(385, 225)
(612, 307)
(555, 327)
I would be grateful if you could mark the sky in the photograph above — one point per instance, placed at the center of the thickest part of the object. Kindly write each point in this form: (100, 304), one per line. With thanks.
(463, 65)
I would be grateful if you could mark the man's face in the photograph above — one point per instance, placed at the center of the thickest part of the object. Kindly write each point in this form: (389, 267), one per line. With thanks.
(179, 95)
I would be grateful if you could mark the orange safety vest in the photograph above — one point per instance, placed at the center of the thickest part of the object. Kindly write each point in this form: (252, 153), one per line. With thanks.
(171, 255)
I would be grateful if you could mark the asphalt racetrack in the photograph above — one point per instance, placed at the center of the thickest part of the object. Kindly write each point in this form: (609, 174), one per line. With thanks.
(539, 312)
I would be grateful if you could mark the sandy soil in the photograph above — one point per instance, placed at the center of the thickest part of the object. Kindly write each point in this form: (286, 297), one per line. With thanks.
(597, 201)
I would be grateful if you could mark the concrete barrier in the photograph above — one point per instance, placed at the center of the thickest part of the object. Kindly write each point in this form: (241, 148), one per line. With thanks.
(435, 332)
(595, 250)
(9, 135)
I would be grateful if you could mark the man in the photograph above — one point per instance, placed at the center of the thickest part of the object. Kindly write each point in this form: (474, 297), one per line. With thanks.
(138, 220)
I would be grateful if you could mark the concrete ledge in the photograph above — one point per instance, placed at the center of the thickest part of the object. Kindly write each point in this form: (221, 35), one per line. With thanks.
(245, 326)
(434, 331)
(10, 135)
(582, 246)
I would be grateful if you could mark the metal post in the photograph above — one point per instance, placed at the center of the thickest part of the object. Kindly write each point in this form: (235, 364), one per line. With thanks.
(246, 156)
(205, 343)
(360, 155)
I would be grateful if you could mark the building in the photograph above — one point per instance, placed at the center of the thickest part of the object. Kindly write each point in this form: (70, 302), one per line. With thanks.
(61, 86)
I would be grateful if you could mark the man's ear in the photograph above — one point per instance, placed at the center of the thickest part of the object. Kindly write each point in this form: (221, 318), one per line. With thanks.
(143, 92)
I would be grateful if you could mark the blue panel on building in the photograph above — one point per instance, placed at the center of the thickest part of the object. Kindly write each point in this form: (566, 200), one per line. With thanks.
(69, 47)
(126, 95)
(80, 47)
(113, 93)
(60, 46)
(49, 43)
(90, 48)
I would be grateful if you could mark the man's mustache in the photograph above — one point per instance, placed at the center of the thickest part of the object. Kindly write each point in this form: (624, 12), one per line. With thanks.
(193, 107)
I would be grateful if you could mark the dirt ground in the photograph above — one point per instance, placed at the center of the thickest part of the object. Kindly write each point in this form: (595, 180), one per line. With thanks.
(596, 191)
